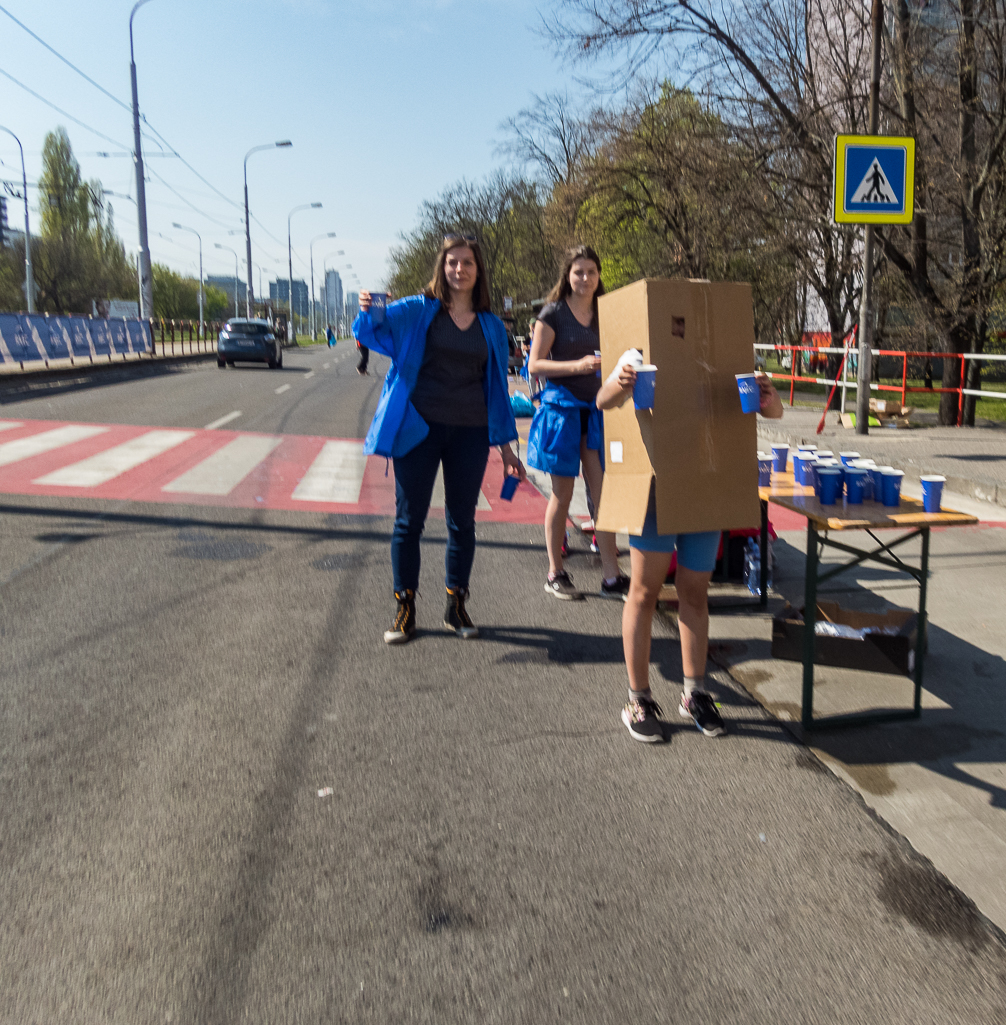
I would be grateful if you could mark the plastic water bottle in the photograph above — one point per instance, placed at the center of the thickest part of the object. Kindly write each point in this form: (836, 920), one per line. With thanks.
(752, 566)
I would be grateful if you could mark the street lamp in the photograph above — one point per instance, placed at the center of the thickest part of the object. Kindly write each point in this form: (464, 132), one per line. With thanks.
(181, 227)
(29, 281)
(324, 234)
(146, 280)
(229, 250)
(289, 257)
(254, 149)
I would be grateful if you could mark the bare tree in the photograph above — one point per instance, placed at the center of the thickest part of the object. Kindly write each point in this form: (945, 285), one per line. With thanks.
(785, 76)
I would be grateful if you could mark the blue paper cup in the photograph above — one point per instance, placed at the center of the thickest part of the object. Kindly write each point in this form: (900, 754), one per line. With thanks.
(891, 484)
(509, 487)
(877, 476)
(831, 485)
(597, 353)
(378, 306)
(855, 485)
(848, 458)
(806, 448)
(803, 468)
(866, 465)
(750, 393)
(780, 455)
(645, 387)
(825, 454)
(764, 469)
(932, 491)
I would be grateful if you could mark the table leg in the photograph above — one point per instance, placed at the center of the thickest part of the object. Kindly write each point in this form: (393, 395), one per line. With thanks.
(920, 641)
(763, 569)
(809, 621)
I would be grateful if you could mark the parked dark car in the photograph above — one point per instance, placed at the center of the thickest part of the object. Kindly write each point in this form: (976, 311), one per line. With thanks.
(253, 341)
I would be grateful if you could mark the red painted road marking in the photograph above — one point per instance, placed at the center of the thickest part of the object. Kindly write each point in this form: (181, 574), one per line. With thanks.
(270, 483)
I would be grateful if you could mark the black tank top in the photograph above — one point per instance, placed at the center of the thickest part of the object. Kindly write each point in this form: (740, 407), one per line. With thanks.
(573, 341)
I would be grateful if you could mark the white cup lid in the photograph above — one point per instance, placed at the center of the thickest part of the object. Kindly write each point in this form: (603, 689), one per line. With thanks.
(933, 477)
(645, 366)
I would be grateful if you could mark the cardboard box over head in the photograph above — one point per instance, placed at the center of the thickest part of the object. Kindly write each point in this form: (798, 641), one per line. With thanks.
(696, 442)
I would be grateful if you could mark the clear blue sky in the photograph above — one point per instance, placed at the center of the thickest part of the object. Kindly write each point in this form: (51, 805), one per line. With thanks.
(386, 101)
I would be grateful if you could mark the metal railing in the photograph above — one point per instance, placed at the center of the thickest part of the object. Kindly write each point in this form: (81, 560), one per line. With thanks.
(904, 389)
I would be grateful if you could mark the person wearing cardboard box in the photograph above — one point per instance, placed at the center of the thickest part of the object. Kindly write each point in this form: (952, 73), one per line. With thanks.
(567, 429)
(445, 401)
(650, 559)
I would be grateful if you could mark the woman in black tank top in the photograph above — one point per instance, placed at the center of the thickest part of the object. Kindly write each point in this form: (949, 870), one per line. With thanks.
(566, 432)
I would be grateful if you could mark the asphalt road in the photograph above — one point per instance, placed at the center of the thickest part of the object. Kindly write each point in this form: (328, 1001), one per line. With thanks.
(179, 682)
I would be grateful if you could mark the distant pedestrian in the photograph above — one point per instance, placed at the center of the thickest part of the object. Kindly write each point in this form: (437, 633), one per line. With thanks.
(445, 401)
(567, 429)
(361, 366)
(651, 558)
(330, 336)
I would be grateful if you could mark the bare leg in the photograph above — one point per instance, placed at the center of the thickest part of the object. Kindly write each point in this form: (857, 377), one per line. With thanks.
(594, 476)
(693, 619)
(555, 520)
(649, 571)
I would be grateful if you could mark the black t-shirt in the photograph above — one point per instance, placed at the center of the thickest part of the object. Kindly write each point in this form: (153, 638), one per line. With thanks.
(449, 387)
(573, 341)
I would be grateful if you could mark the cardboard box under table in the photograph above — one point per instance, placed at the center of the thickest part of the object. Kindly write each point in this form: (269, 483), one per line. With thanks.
(890, 654)
(696, 444)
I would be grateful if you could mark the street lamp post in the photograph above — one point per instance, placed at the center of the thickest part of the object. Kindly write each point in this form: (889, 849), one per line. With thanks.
(324, 234)
(181, 227)
(255, 149)
(146, 279)
(29, 280)
(289, 257)
(229, 250)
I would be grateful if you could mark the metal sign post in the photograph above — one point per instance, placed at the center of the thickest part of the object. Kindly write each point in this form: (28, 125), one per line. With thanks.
(874, 184)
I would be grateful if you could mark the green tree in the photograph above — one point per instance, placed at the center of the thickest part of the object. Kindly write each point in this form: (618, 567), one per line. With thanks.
(79, 257)
(175, 297)
(216, 303)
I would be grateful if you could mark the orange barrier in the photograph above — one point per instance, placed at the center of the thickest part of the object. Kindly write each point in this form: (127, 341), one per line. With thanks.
(904, 389)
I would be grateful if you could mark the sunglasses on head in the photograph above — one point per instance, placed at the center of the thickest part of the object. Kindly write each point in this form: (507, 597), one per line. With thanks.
(454, 237)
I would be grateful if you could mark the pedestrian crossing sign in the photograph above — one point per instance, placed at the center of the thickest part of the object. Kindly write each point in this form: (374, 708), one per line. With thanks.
(874, 179)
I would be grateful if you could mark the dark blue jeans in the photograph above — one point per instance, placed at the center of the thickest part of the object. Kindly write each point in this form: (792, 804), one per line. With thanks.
(464, 451)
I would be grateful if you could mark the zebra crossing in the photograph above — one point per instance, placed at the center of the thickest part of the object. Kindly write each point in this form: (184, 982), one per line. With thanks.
(224, 468)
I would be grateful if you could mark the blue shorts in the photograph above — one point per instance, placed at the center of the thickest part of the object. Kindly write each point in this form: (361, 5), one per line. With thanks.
(696, 552)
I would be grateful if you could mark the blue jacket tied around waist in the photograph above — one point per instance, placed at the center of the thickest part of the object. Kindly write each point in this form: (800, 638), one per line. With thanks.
(553, 442)
(397, 427)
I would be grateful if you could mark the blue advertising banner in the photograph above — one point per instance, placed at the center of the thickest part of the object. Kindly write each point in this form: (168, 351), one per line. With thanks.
(120, 340)
(31, 338)
(101, 337)
(140, 335)
(57, 343)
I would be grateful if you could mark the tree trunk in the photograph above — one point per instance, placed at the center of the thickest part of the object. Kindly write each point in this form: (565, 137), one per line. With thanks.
(973, 374)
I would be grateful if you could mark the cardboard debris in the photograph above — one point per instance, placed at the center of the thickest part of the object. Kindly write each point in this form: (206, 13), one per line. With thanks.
(696, 443)
(876, 653)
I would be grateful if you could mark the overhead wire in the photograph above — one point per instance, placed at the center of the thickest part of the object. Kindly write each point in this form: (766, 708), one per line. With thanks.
(59, 110)
(39, 39)
(160, 139)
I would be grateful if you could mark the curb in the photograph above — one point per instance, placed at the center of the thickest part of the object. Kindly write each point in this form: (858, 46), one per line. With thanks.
(94, 373)
(983, 491)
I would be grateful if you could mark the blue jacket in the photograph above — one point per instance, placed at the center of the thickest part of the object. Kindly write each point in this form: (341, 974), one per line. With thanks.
(397, 427)
(553, 441)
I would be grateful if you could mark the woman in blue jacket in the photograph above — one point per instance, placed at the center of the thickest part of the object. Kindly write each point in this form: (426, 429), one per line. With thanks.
(567, 428)
(445, 401)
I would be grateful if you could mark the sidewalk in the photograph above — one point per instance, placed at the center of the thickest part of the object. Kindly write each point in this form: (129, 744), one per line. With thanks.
(940, 780)
(973, 459)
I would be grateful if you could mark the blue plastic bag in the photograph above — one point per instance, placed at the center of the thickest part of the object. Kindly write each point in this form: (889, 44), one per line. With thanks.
(521, 404)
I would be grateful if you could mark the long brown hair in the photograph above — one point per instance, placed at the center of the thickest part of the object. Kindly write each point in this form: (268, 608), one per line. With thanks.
(562, 286)
(438, 287)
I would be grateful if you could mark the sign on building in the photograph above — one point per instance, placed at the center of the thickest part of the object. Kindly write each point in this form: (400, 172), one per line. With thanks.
(874, 179)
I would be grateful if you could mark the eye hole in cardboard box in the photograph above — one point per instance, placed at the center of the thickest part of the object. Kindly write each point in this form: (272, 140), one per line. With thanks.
(678, 327)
